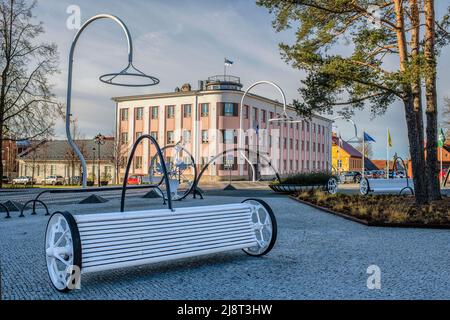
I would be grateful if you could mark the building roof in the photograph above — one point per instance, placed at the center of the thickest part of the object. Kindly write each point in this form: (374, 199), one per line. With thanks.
(369, 165)
(347, 148)
(381, 164)
(60, 150)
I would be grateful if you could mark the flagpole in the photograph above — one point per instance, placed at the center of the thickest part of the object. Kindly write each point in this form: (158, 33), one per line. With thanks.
(363, 155)
(224, 69)
(339, 155)
(440, 172)
(387, 153)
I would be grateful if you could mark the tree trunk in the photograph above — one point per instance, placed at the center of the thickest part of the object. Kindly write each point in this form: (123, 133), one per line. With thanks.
(414, 119)
(432, 166)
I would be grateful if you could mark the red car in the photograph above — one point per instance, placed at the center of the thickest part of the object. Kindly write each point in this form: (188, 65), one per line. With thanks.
(134, 180)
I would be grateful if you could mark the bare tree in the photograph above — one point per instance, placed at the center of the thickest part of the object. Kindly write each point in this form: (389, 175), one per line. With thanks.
(119, 156)
(27, 106)
(368, 149)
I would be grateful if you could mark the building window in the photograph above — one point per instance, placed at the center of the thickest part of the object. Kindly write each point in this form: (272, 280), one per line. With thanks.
(138, 163)
(155, 110)
(255, 114)
(284, 165)
(204, 107)
(154, 134)
(52, 170)
(124, 138)
(187, 136)
(307, 146)
(284, 143)
(124, 114)
(296, 144)
(170, 137)
(270, 141)
(139, 113)
(124, 161)
(303, 145)
(170, 112)
(187, 110)
(290, 165)
(246, 112)
(291, 144)
(228, 136)
(263, 116)
(228, 109)
(138, 135)
(205, 137)
(307, 126)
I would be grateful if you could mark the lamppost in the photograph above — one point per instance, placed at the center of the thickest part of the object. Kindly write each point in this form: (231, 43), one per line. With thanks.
(99, 140)
(93, 165)
(110, 78)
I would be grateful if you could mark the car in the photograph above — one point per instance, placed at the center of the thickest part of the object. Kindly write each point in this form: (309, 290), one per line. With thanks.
(5, 179)
(23, 180)
(73, 181)
(53, 180)
(351, 177)
(134, 180)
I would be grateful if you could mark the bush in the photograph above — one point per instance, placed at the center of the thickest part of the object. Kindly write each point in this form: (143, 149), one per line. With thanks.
(307, 179)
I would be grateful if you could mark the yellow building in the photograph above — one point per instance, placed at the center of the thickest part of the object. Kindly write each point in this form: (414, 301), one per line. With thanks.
(345, 157)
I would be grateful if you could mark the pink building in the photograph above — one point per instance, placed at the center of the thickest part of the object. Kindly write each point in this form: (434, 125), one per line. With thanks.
(207, 121)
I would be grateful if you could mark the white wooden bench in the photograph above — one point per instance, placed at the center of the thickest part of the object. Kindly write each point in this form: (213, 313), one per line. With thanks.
(100, 242)
(367, 186)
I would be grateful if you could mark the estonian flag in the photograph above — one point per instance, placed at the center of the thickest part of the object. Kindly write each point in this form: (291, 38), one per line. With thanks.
(368, 138)
(228, 62)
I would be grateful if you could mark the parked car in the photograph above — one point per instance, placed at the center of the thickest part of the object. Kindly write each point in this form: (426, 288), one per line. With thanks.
(53, 180)
(134, 180)
(351, 177)
(5, 179)
(23, 180)
(73, 181)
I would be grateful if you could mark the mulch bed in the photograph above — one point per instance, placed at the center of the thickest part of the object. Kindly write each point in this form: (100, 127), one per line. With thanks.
(381, 210)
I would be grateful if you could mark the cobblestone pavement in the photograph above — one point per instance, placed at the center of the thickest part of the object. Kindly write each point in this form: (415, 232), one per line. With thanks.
(317, 256)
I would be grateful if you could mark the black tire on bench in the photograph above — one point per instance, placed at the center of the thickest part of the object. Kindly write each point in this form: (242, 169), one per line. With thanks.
(273, 238)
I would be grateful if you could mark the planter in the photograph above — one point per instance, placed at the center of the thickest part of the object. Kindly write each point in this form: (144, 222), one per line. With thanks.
(90, 183)
(292, 188)
(374, 223)
(104, 183)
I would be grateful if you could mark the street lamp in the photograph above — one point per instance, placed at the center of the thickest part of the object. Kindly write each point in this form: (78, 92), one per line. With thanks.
(99, 140)
(116, 79)
(93, 165)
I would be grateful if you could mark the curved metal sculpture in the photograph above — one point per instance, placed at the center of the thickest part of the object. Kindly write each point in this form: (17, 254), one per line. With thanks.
(107, 78)
(354, 125)
(176, 171)
(228, 151)
(163, 167)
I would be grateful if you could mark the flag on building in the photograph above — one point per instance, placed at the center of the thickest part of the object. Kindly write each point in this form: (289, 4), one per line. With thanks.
(389, 139)
(368, 138)
(228, 62)
(441, 138)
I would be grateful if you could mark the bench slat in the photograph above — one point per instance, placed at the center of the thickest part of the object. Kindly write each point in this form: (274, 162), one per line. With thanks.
(117, 245)
(161, 222)
(168, 248)
(151, 237)
(161, 258)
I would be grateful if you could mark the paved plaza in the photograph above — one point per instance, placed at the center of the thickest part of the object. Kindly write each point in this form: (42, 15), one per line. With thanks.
(317, 256)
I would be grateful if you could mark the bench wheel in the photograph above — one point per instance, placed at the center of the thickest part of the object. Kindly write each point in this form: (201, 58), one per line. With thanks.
(265, 225)
(364, 187)
(332, 186)
(62, 249)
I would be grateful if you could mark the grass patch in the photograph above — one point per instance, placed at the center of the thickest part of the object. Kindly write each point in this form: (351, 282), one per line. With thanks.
(382, 208)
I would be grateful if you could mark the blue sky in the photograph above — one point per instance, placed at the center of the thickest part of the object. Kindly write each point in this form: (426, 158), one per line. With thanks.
(181, 41)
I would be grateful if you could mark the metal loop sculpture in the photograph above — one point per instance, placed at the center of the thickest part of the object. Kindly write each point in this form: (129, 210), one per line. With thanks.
(107, 78)
(163, 167)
